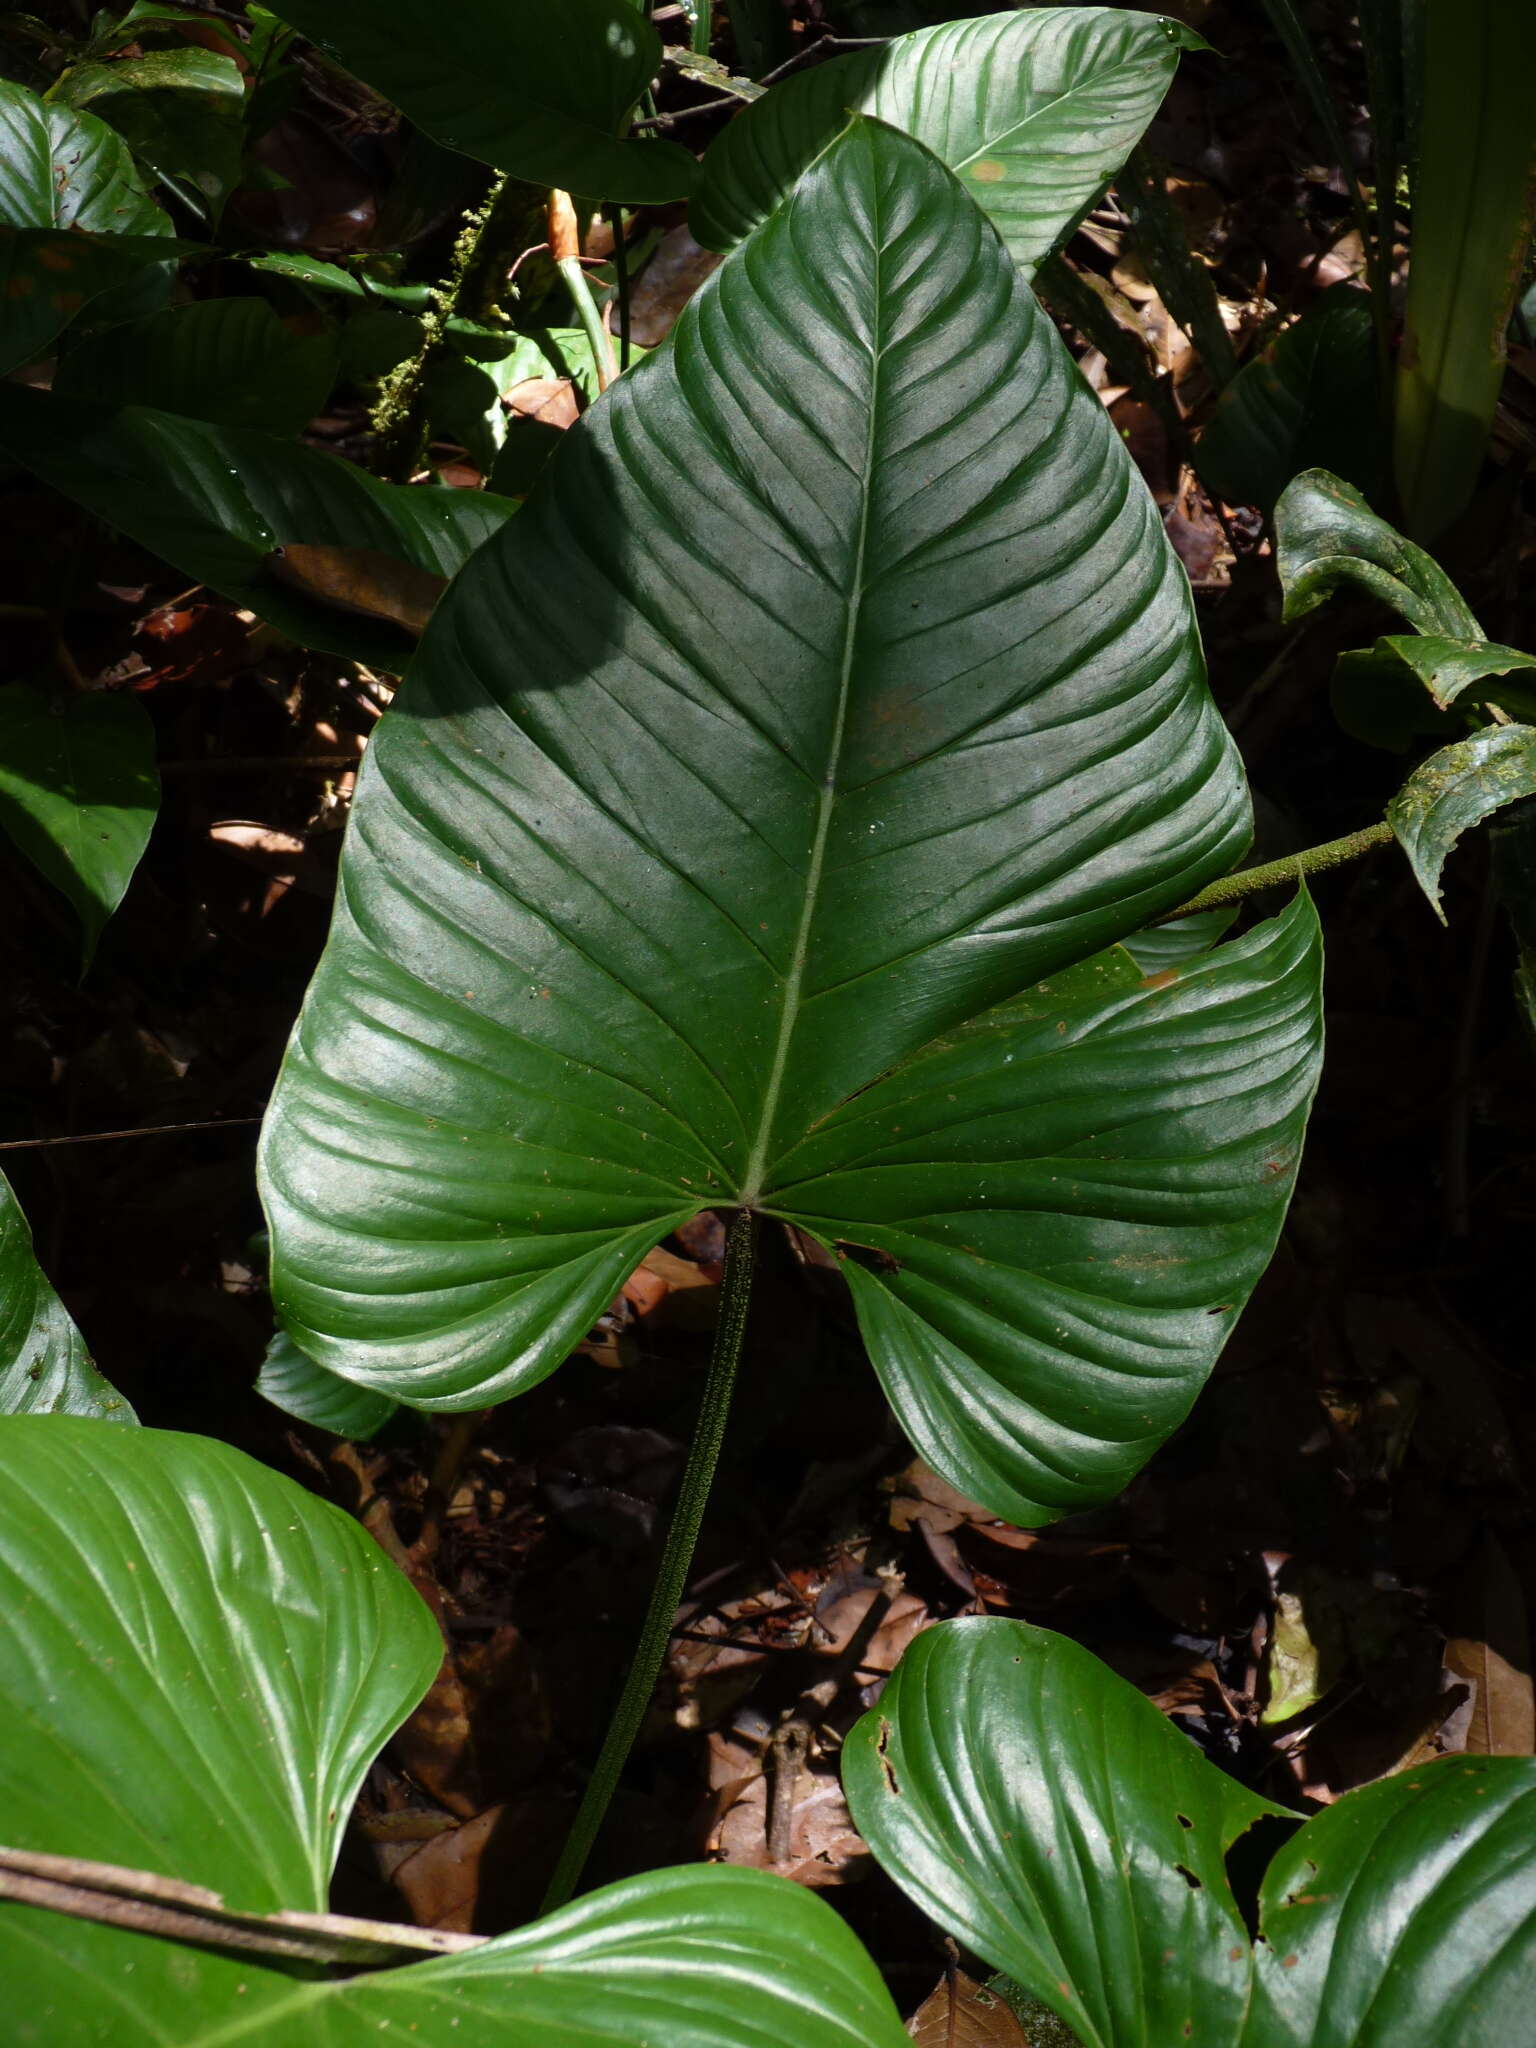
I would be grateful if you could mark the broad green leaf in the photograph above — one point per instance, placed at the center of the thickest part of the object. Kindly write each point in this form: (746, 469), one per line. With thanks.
(198, 1662)
(62, 169)
(293, 1382)
(1311, 398)
(231, 362)
(543, 97)
(1457, 788)
(180, 111)
(1404, 1916)
(48, 275)
(44, 1365)
(815, 705)
(1474, 205)
(79, 791)
(215, 501)
(1034, 110)
(1326, 535)
(1045, 1814)
(1052, 1820)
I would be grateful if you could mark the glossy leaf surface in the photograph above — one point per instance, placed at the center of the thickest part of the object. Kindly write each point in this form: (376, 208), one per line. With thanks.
(45, 1368)
(1052, 1820)
(1045, 1813)
(292, 1381)
(180, 111)
(1456, 789)
(1310, 399)
(542, 96)
(1448, 669)
(1404, 1916)
(197, 1662)
(215, 501)
(1326, 535)
(659, 865)
(1034, 110)
(231, 362)
(63, 169)
(79, 791)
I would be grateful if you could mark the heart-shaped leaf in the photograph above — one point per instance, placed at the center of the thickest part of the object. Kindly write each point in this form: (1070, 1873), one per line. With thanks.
(231, 362)
(1312, 397)
(1045, 1813)
(1327, 535)
(198, 1661)
(542, 95)
(836, 684)
(1033, 109)
(79, 792)
(1455, 789)
(44, 1365)
(216, 501)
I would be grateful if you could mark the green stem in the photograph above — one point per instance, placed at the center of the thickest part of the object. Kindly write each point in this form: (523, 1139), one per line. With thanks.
(702, 10)
(591, 321)
(1312, 860)
(672, 1578)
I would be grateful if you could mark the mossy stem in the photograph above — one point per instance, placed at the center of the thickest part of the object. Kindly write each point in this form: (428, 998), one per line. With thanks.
(1312, 860)
(672, 1577)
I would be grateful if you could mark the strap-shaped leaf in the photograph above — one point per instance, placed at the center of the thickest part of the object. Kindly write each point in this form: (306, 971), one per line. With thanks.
(1034, 110)
(197, 1662)
(1326, 534)
(1456, 789)
(836, 684)
(215, 501)
(44, 1365)
(1046, 1815)
(540, 93)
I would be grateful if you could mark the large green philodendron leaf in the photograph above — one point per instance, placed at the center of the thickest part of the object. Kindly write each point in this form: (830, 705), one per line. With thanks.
(541, 93)
(1034, 110)
(1049, 1817)
(836, 684)
(44, 1365)
(198, 1661)
(215, 501)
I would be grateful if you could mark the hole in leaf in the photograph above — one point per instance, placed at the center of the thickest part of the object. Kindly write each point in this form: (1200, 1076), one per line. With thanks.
(1248, 1859)
(885, 1763)
(1189, 1877)
(1183, 1820)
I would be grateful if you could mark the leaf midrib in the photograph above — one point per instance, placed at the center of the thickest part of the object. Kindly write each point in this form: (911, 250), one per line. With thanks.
(750, 1191)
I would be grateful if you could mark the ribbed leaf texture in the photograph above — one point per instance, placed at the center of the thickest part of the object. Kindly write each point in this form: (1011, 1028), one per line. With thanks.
(45, 1368)
(836, 685)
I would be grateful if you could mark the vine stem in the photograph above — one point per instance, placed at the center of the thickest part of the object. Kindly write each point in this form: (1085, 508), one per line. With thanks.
(1312, 860)
(672, 1577)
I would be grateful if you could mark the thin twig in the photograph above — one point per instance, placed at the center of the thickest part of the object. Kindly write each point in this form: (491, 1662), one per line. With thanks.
(215, 1123)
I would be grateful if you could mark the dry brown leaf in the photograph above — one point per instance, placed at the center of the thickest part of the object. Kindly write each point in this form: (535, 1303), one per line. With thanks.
(824, 1846)
(1493, 1656)
(666, 284)
(960, 2013)
(364, 581)
(551, 400)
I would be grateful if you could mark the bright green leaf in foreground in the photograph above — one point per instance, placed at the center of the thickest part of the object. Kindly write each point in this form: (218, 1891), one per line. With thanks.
(816, 704)
(215, 501)
(1050, 1818)
(79, 791)
(1034, 110)
(198, 1661)
(44, 1365)
(542, 95)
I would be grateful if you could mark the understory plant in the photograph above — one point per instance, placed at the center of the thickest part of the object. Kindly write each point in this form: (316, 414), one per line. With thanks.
(792, 809)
